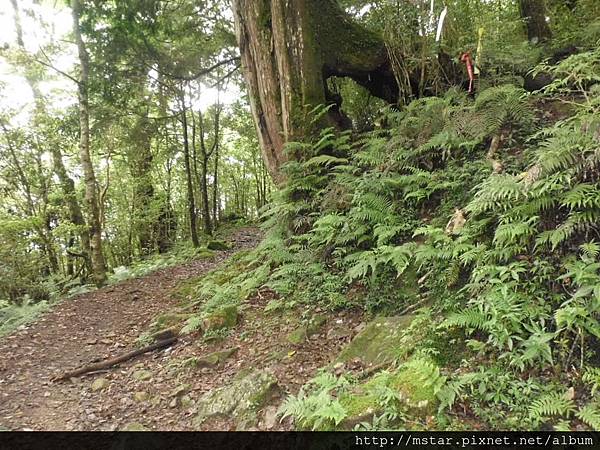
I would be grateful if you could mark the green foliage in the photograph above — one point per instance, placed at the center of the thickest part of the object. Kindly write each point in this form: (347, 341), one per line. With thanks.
(516, 281)
(314, 407)
(590, 415)
(551, 405)
(14, 316)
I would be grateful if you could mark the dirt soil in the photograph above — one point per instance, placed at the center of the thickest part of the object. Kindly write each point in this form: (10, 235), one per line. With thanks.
(106, 323)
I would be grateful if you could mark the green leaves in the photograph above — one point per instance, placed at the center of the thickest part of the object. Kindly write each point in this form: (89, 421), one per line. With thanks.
(550, 405)
(314, 407)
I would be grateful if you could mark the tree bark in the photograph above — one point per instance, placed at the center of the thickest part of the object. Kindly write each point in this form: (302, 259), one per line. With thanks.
(188, 174)
(215, 210)
(91, 195)
(140, 165)
(288, 50)
(67, 184)
(75, 214)
(533, 12)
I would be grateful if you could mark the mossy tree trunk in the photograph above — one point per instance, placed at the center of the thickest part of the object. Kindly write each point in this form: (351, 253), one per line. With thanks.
(288, 50)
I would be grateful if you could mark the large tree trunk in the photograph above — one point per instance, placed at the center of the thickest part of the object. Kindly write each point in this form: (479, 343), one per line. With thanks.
(91, 195)
(533, 12)
(288, 49)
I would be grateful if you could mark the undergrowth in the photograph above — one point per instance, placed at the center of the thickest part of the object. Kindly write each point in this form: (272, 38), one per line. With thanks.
(483, 212)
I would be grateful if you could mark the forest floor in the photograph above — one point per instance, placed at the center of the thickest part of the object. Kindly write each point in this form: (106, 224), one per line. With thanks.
(157, 390)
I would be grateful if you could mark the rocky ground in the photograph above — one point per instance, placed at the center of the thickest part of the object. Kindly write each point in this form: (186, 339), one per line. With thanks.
(235, 382)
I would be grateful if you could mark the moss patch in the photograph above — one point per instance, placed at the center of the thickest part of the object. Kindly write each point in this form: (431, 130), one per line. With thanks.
(224, 317)
(416, 396)
(169, 320)
(378, 342)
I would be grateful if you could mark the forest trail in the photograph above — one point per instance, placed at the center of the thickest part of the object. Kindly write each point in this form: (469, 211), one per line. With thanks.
(77, 331)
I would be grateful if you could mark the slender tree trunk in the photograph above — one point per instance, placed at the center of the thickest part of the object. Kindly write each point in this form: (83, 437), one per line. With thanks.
(166, 223)
(140, 163)
(75, 214)
(216, 189)
(206, 222)
(91, 195)
(205, 153)
(534, 14)
(188, 174)
(67, 184)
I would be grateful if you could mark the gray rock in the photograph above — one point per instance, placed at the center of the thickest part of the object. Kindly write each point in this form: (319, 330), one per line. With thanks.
(141, 396)
(378, 342)
(134, 426)
(142, 375)
(240, 400)
(100, 384)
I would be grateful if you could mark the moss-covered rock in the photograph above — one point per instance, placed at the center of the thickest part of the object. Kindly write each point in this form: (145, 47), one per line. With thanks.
(141, 396)
(99, 384)
(224, 317)
(378, 342)
(298, 336)
(217, 245)
(414, 389)
(169, 320)
(303, 332)
(215, 358)
(142, 375)
(241, 400)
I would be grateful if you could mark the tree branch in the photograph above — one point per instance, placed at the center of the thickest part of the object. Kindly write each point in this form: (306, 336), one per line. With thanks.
(50, 66)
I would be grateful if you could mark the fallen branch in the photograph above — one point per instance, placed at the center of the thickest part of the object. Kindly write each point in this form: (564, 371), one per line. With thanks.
(114, 361)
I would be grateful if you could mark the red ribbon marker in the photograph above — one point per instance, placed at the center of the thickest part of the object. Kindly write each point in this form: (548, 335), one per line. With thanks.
(466, 58)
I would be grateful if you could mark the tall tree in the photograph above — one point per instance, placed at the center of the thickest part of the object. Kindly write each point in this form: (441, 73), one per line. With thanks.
(534, 13)
(289, 48)
(206, 152)
(188, 173)
(91, 193)
(66, 182)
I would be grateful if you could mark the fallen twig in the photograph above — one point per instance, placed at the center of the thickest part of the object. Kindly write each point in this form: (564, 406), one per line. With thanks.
(114, 361)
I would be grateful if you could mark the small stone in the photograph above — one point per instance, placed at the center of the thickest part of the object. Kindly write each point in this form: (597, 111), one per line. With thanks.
(99, 384)
(270, 417)
(142, 375)
(186, 401)
(180, 390)
(215, 358)
(134, 426)
(173, 403)
(141, 396)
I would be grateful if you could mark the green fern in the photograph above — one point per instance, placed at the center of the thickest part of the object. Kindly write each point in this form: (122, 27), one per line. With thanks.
(551, 404)
(590, 415)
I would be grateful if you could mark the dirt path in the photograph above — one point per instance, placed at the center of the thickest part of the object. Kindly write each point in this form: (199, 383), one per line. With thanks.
(79, 330)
